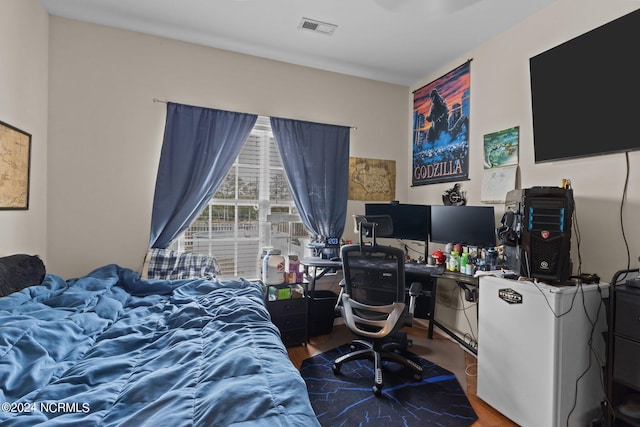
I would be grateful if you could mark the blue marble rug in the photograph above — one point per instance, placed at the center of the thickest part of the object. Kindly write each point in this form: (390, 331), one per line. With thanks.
(346, 399)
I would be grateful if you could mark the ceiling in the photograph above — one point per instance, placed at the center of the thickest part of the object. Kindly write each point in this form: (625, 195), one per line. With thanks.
(395, 41)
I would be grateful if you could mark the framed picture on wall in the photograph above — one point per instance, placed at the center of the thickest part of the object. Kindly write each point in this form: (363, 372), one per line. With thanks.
(15, 165)
(501, 148)
(372, 179)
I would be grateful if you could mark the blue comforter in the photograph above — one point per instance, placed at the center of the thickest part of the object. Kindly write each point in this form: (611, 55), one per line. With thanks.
(110, 349)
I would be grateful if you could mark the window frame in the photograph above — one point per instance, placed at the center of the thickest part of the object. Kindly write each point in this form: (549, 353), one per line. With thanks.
(267, 212)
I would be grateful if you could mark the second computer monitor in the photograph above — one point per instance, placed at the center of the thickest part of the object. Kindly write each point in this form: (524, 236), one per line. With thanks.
(410, 222)
(468, 225)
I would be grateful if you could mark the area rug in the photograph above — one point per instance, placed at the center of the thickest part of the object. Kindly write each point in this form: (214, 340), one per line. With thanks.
(346, 399)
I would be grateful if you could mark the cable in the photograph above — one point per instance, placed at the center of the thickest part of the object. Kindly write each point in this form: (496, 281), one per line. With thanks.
(408, 248)
(473, 341)
(592, 351)
(622, 201)
(450, 298)
(471, 365)
(464, 311)
(576, 229)
(535, 283)
(527, 265)
(589, 341)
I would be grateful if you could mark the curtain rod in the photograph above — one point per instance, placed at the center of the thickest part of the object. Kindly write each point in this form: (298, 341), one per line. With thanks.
(264, 115)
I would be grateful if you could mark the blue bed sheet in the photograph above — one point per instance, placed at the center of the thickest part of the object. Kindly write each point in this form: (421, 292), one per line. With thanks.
(110, 349)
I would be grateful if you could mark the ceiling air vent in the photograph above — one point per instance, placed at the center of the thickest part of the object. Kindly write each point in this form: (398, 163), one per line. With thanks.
(317, 26)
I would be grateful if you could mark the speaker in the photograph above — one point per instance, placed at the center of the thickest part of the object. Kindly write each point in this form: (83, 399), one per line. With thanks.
(541, 228)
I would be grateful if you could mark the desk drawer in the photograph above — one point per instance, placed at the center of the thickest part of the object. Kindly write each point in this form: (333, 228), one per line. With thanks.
(628, 315)
(293, 337)
(626, 368)
(287, 306)
(290, 321)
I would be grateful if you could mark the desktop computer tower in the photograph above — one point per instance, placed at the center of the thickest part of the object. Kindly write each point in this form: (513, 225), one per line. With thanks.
(536, 232)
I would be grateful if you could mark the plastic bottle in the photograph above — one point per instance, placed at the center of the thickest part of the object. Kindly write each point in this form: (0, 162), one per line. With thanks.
(263, 253)
(293, 268)
(454, 261)
(464, 261)
(273, 268)
(470, 270)
(492, 259)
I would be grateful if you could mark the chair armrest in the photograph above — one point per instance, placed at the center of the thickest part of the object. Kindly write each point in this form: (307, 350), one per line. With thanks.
(414, 291)
(338, 307)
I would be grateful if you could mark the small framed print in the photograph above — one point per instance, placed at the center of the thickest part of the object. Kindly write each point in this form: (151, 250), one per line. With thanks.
(15, 165)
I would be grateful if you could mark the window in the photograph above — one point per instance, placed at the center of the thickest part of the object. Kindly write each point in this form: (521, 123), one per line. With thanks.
(251, 209)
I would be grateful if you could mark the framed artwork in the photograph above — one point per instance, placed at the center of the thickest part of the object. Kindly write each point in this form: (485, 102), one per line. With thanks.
(501, 148)
(441, 129)
(372, 179)
(15, 164)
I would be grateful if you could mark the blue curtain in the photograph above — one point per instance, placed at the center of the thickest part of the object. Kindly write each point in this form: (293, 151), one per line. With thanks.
(316, 160)
(199, 147)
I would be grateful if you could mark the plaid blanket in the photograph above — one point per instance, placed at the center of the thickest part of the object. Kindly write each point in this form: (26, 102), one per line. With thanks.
(167, 264)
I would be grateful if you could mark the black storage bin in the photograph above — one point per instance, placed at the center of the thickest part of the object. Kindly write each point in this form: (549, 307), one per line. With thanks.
(321, 312)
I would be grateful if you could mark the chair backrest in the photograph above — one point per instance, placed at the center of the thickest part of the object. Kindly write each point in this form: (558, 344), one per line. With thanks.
(373, 275)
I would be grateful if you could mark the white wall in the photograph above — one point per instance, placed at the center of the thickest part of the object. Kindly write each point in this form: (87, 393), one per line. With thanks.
(106, 132)
(24, 28)
(500, 99)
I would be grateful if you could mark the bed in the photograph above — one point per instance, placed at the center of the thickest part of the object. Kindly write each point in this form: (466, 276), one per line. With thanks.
(111, 348)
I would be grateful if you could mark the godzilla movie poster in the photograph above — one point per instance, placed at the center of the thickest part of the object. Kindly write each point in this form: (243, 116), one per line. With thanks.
(441, 129)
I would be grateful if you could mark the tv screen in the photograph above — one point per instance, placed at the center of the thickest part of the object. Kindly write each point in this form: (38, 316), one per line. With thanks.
(468, 225)
(410, 222)
(585, 93)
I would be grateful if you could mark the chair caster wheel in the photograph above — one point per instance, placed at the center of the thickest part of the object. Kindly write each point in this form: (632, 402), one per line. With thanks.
(377, 390)
(336, 369)
(417, 377)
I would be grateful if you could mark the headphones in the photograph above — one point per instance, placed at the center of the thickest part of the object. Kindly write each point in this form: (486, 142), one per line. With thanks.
(509, 231)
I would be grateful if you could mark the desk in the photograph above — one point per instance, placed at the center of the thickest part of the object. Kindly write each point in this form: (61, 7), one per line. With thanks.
(320, 266)
(415, 272)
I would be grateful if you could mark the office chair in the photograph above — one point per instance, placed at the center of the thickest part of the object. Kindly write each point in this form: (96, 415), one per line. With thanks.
(372, 304)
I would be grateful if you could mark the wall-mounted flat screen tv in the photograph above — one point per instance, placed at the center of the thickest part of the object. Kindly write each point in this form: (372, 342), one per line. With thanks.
(468, 225)
(585, 93)
(410, 222)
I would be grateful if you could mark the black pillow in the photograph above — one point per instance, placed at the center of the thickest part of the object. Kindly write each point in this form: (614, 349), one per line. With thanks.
(20, 271)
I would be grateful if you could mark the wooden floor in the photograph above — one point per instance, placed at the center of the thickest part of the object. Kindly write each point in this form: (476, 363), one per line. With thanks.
(442, 351)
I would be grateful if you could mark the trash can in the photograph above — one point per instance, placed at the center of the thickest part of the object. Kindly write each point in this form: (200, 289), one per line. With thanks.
(321, 312)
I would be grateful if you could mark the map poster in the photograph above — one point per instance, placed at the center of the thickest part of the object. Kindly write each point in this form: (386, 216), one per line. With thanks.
(441, 129)
(372, 179)
(15, 153)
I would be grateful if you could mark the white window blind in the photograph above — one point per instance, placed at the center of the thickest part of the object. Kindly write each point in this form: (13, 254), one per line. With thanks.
(251, 209)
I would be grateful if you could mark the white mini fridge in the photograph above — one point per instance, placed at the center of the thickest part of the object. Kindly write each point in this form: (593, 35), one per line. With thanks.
(541, 351)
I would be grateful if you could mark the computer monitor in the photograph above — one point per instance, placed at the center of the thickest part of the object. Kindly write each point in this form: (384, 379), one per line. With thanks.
(410, 222)
(468, 225)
